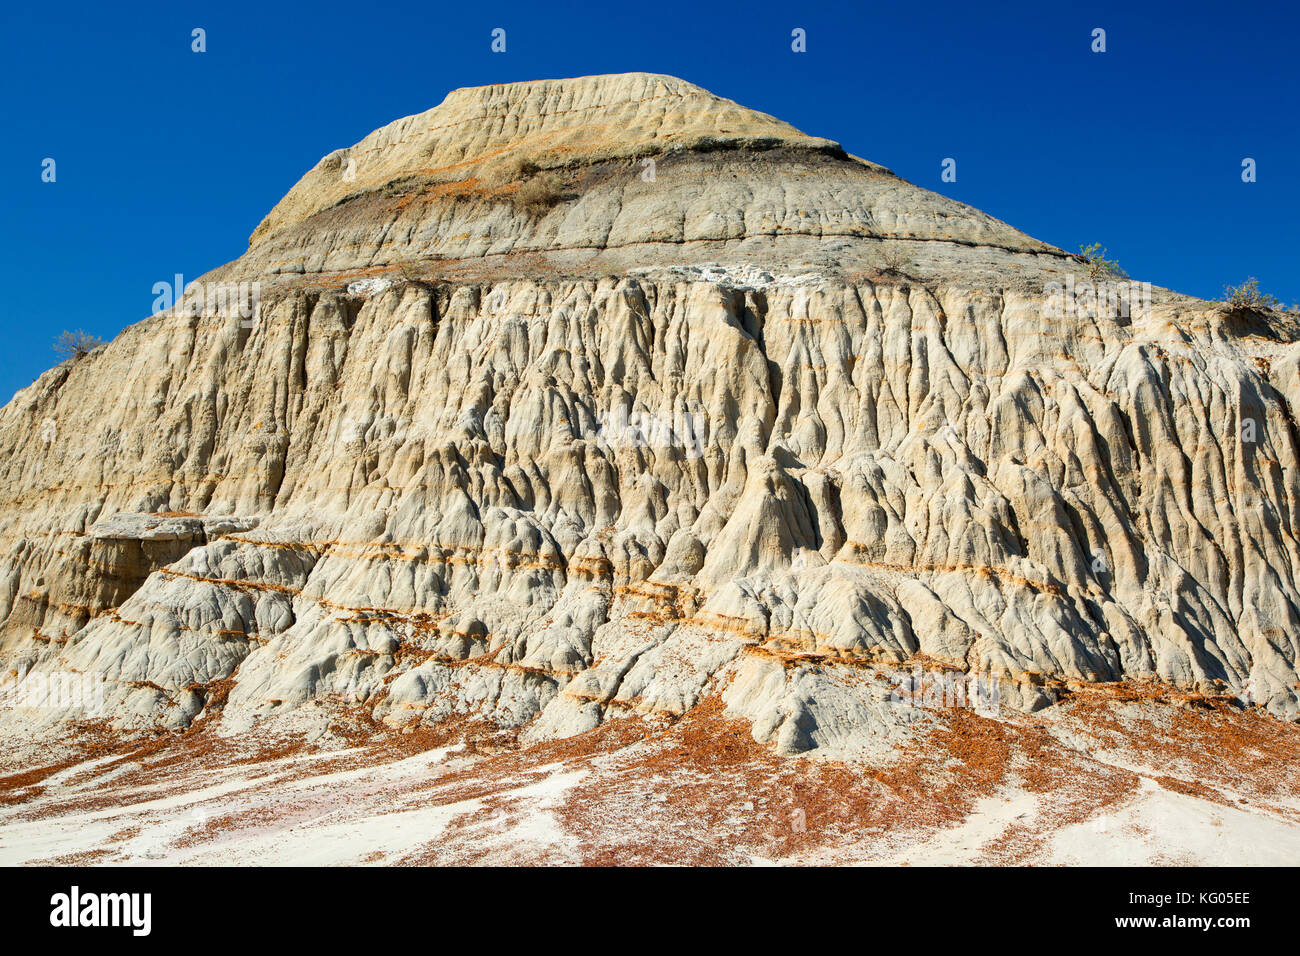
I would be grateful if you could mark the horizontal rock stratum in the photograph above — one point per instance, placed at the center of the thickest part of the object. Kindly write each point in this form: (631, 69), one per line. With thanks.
(588, 398)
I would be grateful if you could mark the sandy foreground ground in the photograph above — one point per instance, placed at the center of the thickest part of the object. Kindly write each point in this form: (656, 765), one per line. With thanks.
(1115, 776)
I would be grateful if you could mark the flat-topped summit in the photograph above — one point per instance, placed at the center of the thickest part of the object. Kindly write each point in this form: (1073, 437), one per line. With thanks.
(549, 122)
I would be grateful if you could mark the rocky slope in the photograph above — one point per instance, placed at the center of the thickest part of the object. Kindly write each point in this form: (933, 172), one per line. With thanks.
(577, 399)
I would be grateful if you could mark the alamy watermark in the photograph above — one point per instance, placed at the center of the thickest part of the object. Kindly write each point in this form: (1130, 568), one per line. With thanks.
(687, 429)
(947, 690)
(211, 298)
(1091, 300)
(57, 690)
(73, 909)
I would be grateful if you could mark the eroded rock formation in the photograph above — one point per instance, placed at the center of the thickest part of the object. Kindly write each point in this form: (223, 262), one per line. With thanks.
(590, 397)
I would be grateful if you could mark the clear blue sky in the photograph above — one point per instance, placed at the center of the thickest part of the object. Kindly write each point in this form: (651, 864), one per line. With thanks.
(167, 159)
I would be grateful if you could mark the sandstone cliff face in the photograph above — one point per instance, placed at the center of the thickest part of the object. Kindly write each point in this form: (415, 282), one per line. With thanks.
(758, 419)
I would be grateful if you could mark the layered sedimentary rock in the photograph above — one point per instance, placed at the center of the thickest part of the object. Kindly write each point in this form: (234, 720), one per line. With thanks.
(576, 399)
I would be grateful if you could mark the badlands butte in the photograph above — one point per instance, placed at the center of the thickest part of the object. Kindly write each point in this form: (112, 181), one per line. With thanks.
(608, 401)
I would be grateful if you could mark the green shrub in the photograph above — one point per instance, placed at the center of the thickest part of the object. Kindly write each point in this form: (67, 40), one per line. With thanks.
(1099, 267)
(1248, 296)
